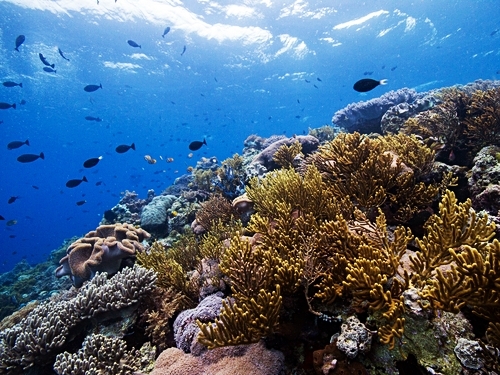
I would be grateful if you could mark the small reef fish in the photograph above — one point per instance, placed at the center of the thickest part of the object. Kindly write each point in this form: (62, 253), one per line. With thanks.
(133, 44)
(35, 187)
(49, 70)
(16, 144)
(196, 145)
(81, 203)
(12, 84)
(76, 182)
(170, 160)
(28, 158)
(183, 50)
(45, 62)
(11, 223)
(92, 88)
(12, 200)
(319, 79)
(62, 54)
(190, 155)
(149, 159)
(19, 40)
(124, 148)
(91, 162)
(166, 31)
(393, 68)
(368, 73)
(368, 84)
(189, 169)
(22, 102)
(7, 105)
(92, 118)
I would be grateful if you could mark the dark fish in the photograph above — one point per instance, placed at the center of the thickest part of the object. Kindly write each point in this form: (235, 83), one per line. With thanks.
(49, 70)
(19, 40)
(92, 88)
(16, 144)
(22, 102)
(196, 145)
(7, 105)
(62, 55)
(307, 81)
(393, 68)
(11, 223)
(183, 50)
(124, 148)
(98, 183)
(13, 236)
(315, 86)
(81, 203)
(92, 118)
(28, 158)
(298, 101)
(367, 84)
(166, 31)
(12, 84)
(319, 79)
(494, 32)
(367, 73)
(298, 116)
(35, 187)
(2, 218)
(76, 182)
(45, 62)
(133, 44)
(12, 200)
(91, 162)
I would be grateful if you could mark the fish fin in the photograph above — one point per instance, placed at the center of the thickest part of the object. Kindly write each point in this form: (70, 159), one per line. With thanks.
(53, 66)
(27, 143)
(383, 82)
(100, 85)
(21, 84)
(42, 155)
(132, 146)
(85, 179)
(16, 49)
(204, 141)
(14, 105)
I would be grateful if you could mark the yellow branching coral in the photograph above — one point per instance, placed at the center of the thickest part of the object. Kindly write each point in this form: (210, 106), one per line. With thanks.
(285, 155)
(213, 243)
(215, 209)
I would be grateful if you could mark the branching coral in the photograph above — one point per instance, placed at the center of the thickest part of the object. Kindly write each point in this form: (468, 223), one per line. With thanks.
(285, 155)
(229, 179)
(216, 209)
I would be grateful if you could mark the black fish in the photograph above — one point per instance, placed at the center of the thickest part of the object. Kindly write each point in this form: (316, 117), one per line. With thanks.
(393, 68)
(28, 158)
(12, 200)
(7, 105)
(124, 148)
(91, 162)
(62, 55)
(16, 144)
(76, 182)
(183, 50)
(367, 84)
(92, 88)
(81, 203)
(98, 183)
(2, 218)
(49, 70)
(92, 118)
(45, 62)
(166, 31)
(22, 102)
(35, 187)
(319, 79)
(196, 145)
(12, 84)
(494, 32)
(19, 40)
(367, 73)
(133, 44)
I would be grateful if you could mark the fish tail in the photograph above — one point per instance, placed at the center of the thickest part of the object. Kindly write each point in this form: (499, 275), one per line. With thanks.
(132, 146)
(100, 85)
(204, 141)
(140, 47)
(16, 49)
(27, 143)
(85, 179)
(163, 36)
(42, 155)
(383, 82)
(14, 105)
(21, 84)
(53, 66)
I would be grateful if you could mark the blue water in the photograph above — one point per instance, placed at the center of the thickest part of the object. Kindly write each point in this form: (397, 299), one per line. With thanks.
(244, 72)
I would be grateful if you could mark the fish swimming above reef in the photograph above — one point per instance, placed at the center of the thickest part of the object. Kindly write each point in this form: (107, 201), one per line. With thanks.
(124, 148)
(12, 84)
(166, 31)
(149, 159)
(2, 218)
(16, 144)
(368, 84)
(28, 158)
(12, 200)
(19, 40)
(75, 182)
(183, 50)
(92, 88)
(49, 70)
(92, 118)
(81, 203)
(45, 62)
(91, 162)
(11, 223)
(196, 145)
(7, 105)
(62, 54)
(133, 44)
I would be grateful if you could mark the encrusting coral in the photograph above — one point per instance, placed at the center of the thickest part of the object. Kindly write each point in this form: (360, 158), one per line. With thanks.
(103, 250)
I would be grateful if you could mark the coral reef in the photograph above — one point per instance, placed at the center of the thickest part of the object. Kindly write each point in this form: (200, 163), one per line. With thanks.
(215, 209)
(104, 250)
(128, 209)
(354, 338)
(154, 216)
(324, 133)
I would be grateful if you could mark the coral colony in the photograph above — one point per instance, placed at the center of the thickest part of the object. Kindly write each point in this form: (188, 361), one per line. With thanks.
(369, 247)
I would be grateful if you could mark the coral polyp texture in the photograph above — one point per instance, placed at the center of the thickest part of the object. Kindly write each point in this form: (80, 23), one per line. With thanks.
(102, 250)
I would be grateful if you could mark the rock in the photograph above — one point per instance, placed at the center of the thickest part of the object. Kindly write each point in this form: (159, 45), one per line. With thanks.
(154, 216)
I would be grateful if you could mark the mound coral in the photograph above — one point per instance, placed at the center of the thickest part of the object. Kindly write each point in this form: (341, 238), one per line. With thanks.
(104, 250)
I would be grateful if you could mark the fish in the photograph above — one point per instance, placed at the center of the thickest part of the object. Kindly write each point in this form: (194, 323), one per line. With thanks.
(367, 73)
(16, 144)
(7, 105)
(28, 158)
(183, 50)
(19, 40)
(35, 187)
(22, 102)
(166, 31)
(393, 68)
(2, 218)
(11, 223)
(92, 162)
(98, 183)
(170, 160)
(307, 81)
(149, 159)
(494, 32)
(12, 84)
(76, 182)
(319, 79)
(92, 118)
(45, 62)
(12, 200)
(124, 148)
(62, 55)
(81, 203)
(196, 145)
(190, 155)
(49, 70)
(92, 88)
(368, 84)
(133, 44)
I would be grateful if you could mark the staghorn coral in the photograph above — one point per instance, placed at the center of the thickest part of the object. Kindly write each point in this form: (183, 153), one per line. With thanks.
(102, 250)
(285, 155)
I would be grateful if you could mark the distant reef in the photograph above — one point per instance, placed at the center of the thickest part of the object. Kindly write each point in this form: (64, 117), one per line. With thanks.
(368, 246)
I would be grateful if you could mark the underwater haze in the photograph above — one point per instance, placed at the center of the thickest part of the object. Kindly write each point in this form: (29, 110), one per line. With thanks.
(223, 71)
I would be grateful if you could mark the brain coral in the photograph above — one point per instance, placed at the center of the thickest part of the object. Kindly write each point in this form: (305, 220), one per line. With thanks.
(101, 250)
